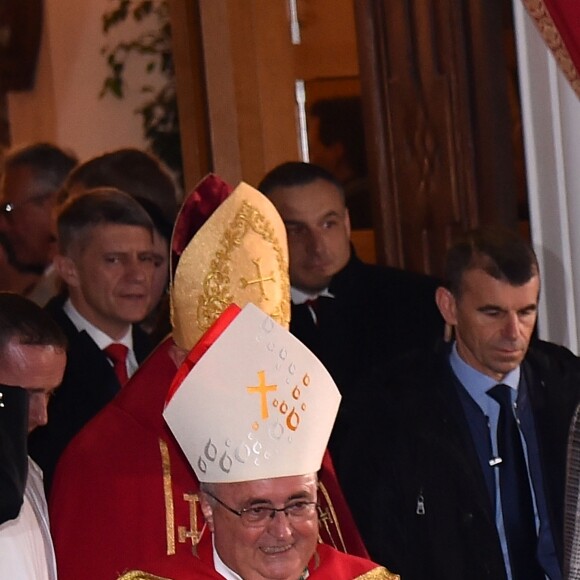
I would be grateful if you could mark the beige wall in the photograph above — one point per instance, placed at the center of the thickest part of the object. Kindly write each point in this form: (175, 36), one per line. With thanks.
(551, 122)
(64, 106)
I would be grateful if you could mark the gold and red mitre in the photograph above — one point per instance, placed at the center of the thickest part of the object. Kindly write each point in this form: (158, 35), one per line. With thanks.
(227, 248)
(250, 401)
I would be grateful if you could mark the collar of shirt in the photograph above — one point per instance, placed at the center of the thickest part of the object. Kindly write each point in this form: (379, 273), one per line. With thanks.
(101, 339)
(219, 565)
(300, 297)
(477, 384)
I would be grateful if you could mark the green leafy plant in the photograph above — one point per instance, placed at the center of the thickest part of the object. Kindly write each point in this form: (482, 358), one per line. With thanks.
(153, 45)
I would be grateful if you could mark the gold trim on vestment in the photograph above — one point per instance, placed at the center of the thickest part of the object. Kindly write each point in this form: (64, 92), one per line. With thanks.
(138, 575)
(193, 533)
(378, 573)
(552, 37)
(168, 494)
(326, 495)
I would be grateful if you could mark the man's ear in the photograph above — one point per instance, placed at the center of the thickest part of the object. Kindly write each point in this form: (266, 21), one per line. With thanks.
(207, 510)
(447, 305)
(347, 222)
(67, 270)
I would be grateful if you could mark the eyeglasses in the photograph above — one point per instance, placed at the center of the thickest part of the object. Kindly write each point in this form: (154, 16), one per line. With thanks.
(259, 515)
(8, 207)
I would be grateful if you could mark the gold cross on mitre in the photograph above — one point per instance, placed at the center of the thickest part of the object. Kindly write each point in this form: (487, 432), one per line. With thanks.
(259, 280)
(263, 389)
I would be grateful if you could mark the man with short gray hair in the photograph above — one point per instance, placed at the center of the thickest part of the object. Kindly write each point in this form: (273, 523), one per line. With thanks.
(105, 260)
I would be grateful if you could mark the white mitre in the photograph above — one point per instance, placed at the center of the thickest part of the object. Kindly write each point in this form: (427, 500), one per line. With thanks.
(257, 405)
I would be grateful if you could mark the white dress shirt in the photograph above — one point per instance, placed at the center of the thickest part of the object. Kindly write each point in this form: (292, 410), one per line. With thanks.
(101, 339)
(26, 551)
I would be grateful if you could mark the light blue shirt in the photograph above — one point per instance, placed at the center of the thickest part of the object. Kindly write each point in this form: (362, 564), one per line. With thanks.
(477, 384)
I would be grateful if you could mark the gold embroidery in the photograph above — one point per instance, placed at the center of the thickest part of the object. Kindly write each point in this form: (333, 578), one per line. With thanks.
(327, 516)
(138, 575)
(167, 492)
(378, 573)
(216, 294)
(549, 31)
(193, 533)
(245, 233)
(259, 280)
(183, 533)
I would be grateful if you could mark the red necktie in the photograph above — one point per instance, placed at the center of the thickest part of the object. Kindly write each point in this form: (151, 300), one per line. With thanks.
(117, 353)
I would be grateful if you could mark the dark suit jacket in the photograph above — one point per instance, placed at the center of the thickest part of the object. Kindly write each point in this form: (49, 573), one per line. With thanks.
(377, 314)
(414, 449)
(13, 450)
(89, 383)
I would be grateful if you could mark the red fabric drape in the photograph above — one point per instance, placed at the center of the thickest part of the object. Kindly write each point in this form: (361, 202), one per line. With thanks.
(559, 24)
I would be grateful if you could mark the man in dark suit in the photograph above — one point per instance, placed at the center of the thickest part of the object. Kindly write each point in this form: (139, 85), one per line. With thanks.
(352, 315)
(105, 259)
(462, 464)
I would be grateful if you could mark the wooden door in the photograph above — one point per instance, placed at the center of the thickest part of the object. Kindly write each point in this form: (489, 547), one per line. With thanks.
(435, 89)
(235, 86)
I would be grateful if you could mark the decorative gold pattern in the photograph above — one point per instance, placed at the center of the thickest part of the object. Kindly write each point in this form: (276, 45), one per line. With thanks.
(217, 286)
(168, 493)
(138, 575)
(193, 533)
(244, 283)
(552, 37)
(240, 255)
(325, 517)
(378, 573)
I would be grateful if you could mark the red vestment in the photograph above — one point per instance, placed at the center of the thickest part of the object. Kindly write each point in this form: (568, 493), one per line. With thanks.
(326, 564)
(124, 496)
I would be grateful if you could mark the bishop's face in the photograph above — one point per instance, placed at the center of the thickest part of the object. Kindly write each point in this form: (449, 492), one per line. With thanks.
(278, 550)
